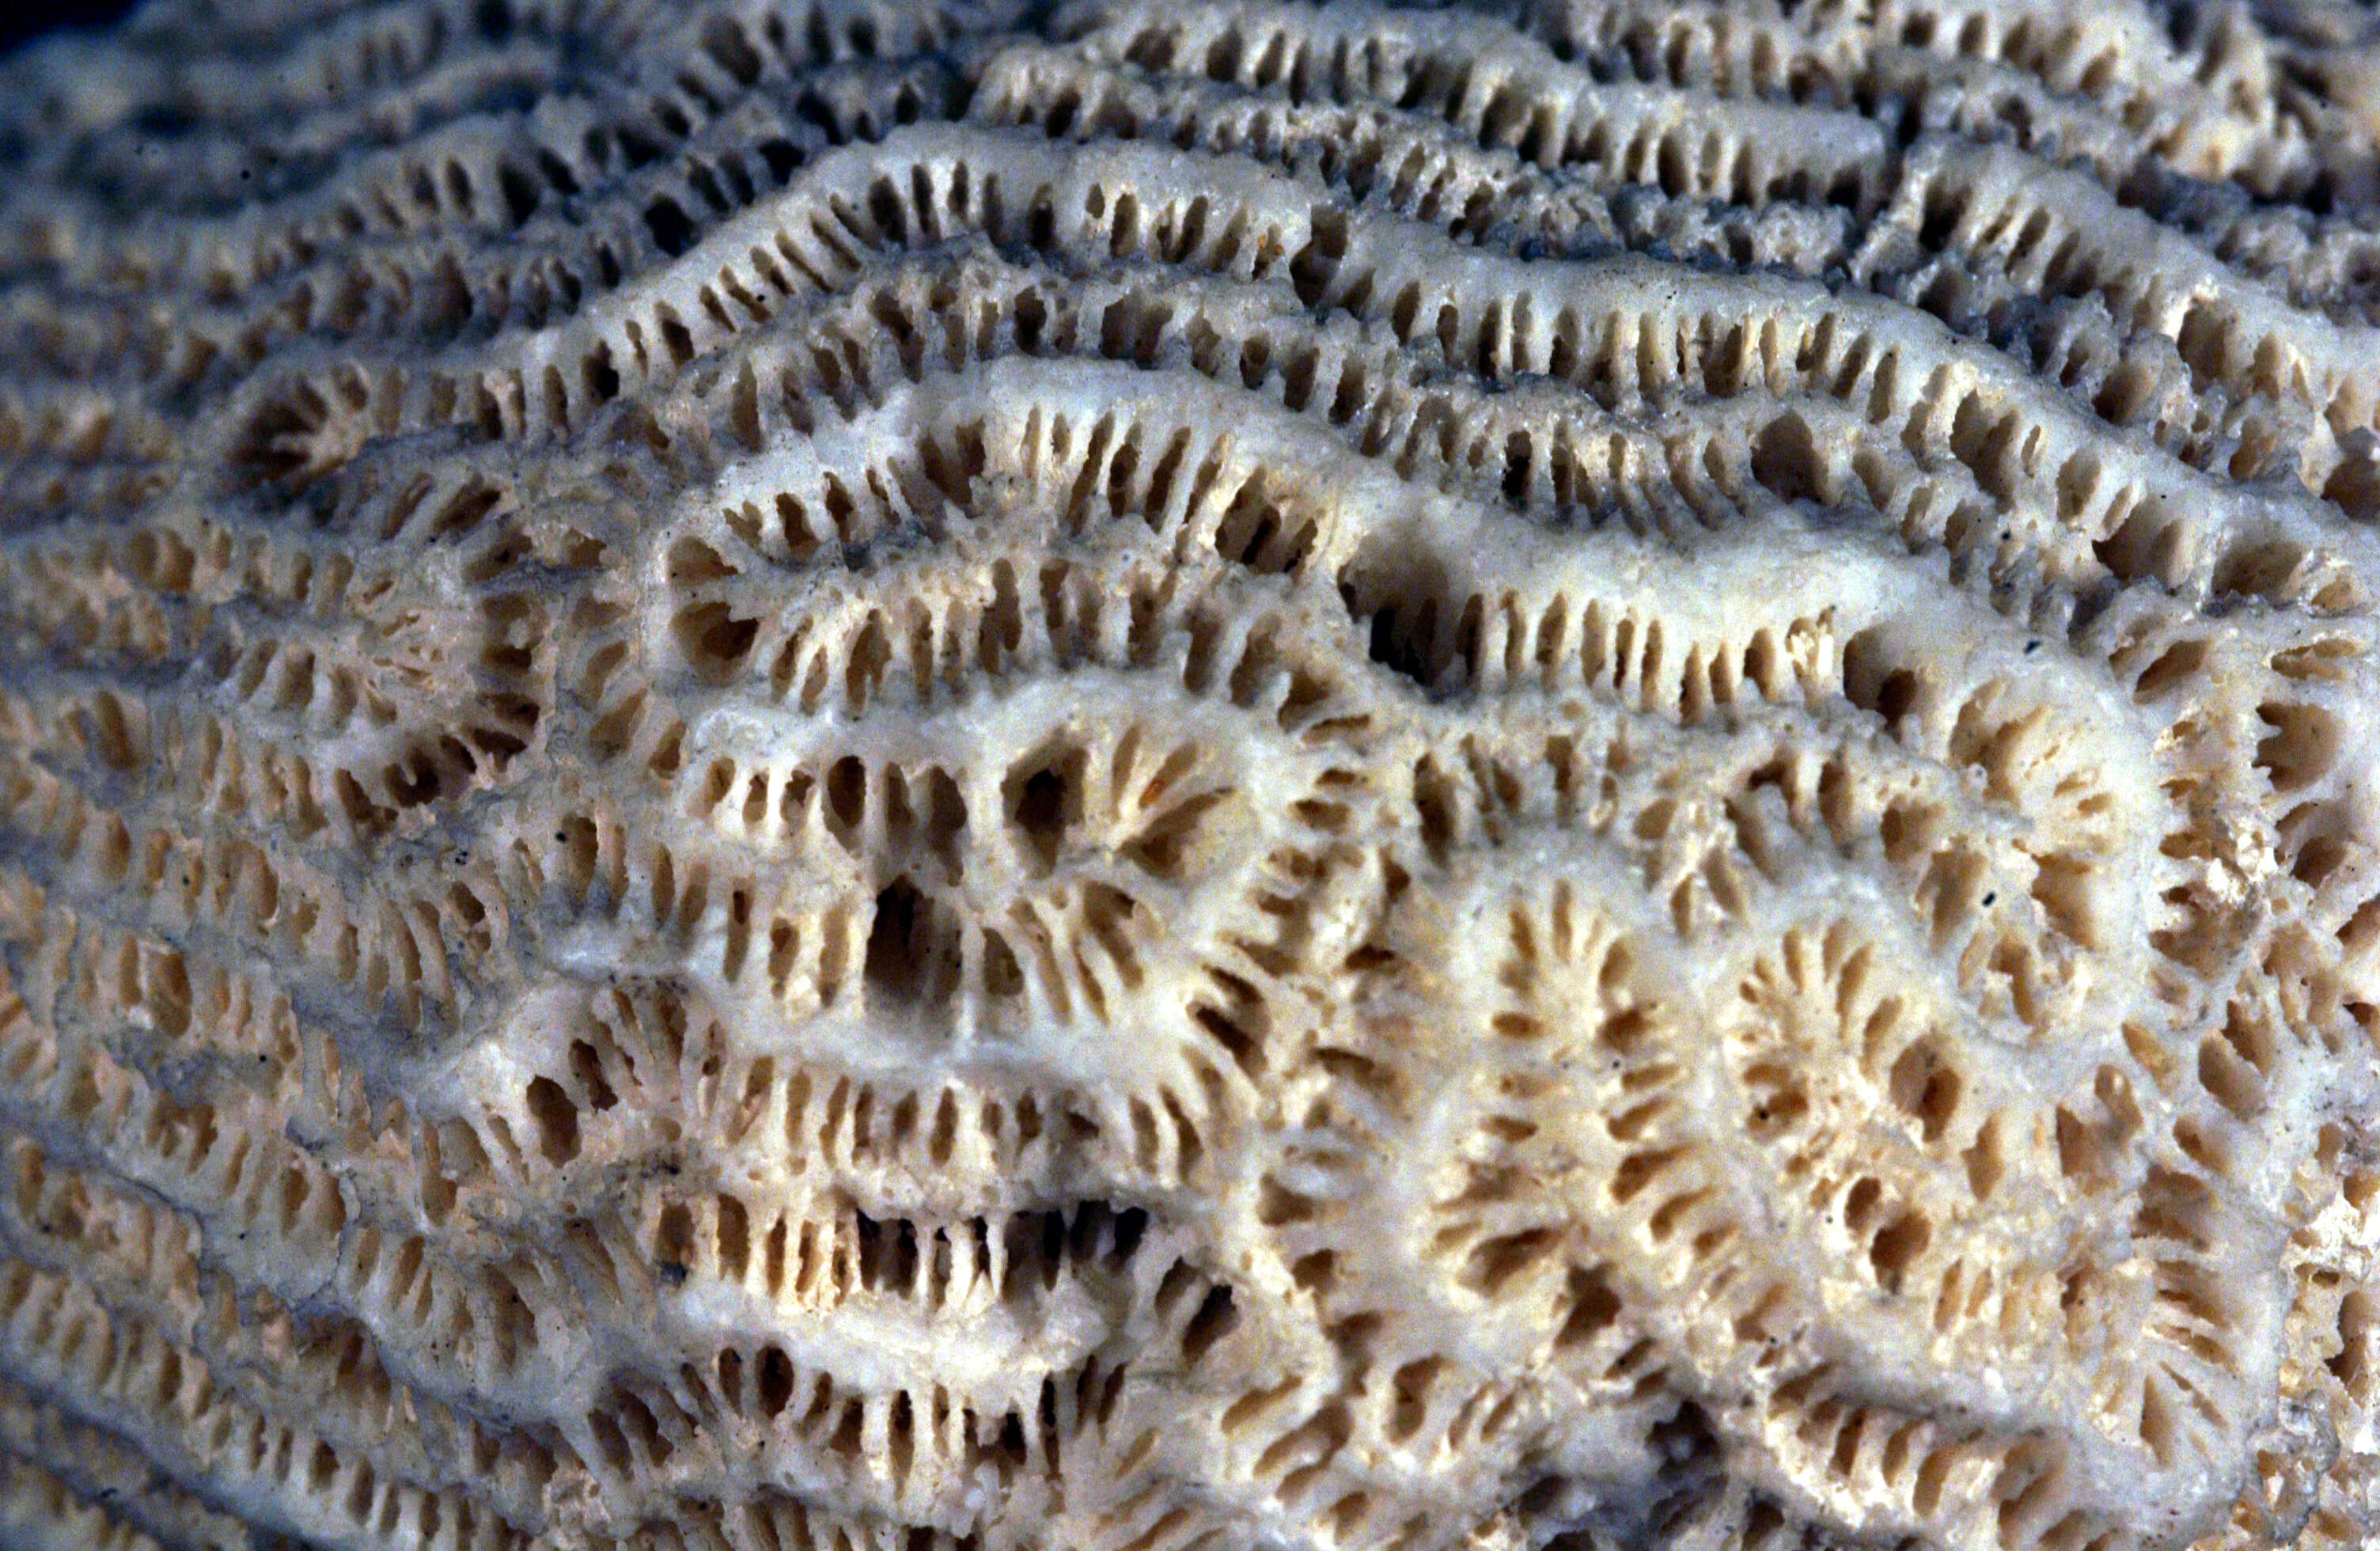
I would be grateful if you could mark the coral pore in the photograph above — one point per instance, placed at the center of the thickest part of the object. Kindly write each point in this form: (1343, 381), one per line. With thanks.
(1166, 774)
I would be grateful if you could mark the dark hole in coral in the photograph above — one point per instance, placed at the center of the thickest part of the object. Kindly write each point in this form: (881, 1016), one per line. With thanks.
(673, 232)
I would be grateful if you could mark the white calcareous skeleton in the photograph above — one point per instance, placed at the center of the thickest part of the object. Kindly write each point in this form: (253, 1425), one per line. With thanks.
(1170, 774)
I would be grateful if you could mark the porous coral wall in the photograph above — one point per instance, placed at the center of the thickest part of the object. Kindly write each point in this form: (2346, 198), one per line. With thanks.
(1186, 774)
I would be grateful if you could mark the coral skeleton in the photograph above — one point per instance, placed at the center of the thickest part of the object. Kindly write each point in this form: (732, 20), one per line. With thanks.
(1174, 775)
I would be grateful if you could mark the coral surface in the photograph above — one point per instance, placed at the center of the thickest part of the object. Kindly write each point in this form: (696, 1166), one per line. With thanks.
(1190, 773)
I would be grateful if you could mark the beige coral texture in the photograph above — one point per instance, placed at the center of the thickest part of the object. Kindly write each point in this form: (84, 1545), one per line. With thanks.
(1174, 775)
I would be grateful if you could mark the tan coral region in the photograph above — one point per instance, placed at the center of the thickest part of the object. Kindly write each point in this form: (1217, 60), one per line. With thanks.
(1583, 773)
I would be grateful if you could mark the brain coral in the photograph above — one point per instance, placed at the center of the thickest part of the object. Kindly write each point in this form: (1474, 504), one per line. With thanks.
(1191, 773)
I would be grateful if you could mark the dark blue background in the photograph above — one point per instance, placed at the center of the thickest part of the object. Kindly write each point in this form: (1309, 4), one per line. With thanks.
(21, 20)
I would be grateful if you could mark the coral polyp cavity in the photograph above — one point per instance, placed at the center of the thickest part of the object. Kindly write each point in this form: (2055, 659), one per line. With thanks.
(1557, 773)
